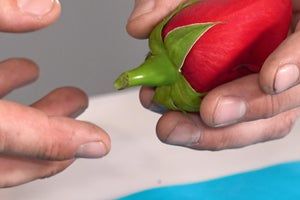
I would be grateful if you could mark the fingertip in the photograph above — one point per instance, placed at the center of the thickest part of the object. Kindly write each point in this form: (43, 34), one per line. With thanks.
(146, 95)
(101, 135)
(277, 78)
(64, 101)
(139, 28)
(281, 69)
(166, 124)
(29, 66)
(16, 72)
(71, 93)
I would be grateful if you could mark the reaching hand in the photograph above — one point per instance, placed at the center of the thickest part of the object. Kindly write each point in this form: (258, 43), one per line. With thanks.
(40, 140)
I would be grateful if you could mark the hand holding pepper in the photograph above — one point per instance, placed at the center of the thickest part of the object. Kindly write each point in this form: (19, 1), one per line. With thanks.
(253, 109)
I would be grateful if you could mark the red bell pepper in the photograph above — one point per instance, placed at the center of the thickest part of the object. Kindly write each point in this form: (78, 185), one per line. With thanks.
(207, 43)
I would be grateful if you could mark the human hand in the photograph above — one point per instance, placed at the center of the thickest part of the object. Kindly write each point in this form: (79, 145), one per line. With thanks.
(253, 109)
(40, 140)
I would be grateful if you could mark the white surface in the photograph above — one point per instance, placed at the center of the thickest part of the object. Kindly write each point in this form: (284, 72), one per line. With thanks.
(139, 161)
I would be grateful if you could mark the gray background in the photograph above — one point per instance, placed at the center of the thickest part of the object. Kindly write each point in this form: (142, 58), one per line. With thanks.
(88, 47)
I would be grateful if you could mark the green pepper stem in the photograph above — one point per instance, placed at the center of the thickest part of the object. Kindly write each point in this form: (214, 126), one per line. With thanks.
(155, 71)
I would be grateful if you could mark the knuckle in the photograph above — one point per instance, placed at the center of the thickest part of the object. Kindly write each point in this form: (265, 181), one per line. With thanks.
(55, 143)
(47, 151)
(50, 148)
(213, 143)
(280, 129)
(222, 143)
(272, 106)
(54, 150)
(276, 104)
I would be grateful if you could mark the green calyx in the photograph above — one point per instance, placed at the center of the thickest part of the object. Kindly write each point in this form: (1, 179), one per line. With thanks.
(157, 70)
(162, 68)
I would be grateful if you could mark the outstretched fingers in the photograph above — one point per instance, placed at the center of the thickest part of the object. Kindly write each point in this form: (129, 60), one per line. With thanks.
(30, 165)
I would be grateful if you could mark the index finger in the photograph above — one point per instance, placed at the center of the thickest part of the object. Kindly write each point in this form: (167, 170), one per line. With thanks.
(29, 132)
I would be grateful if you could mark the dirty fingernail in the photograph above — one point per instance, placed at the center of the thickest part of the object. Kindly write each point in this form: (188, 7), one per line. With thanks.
(184, 135)
(229, 110)
(286, 77)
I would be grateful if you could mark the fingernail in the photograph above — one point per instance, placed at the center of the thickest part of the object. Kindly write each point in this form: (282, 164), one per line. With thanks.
(36, 7)
(229, 110)
(142, 7)
(158, 108)
(184, 135)
(286, 77)
(91, 150)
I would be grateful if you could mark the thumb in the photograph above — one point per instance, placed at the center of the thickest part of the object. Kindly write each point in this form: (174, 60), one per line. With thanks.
(147, 13)
(27, 15)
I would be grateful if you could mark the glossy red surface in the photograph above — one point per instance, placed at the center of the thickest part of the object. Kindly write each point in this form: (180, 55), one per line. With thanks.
(248, 32)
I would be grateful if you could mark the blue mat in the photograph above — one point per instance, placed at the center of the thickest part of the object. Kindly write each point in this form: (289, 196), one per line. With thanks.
(281, 182)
